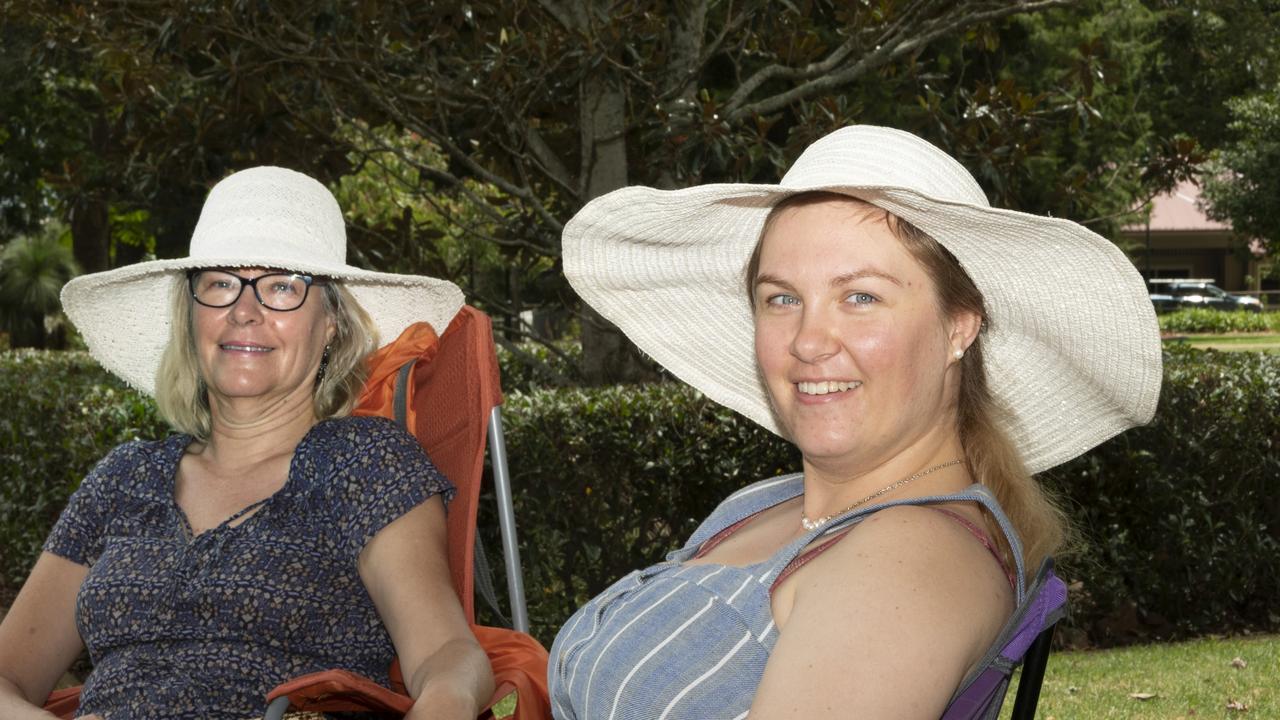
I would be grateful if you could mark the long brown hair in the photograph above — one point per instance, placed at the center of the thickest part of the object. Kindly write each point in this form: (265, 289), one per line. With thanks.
(990, 456)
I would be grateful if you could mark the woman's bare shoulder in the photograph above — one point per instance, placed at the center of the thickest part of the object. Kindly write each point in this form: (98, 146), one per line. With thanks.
(905, 589)
(910, 548)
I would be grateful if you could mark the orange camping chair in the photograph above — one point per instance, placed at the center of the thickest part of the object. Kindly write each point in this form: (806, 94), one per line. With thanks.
(446, 391)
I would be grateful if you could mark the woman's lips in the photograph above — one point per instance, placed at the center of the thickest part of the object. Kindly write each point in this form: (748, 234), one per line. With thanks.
(244, 347)
(826, 387)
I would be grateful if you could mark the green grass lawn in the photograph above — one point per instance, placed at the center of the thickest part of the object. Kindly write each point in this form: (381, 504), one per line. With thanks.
(1194, 679)
(1257, 342)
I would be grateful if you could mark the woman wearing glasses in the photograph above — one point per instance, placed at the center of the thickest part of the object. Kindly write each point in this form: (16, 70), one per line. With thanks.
(273, 535)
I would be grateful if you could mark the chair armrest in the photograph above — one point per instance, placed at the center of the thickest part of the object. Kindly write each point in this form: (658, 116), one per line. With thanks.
(64, 703)
(519, 663)
(340, 691)
(343, 691)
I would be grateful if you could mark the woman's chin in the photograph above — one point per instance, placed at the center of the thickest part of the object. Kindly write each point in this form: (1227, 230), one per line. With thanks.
(828, 448)
(240, 391)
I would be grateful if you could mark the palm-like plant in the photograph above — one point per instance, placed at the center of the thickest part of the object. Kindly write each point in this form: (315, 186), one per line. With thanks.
(33, 269)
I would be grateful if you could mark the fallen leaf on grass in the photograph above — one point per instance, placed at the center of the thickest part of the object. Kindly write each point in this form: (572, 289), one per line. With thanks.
(1239, 663)
(1142, 696)
(1237, 706)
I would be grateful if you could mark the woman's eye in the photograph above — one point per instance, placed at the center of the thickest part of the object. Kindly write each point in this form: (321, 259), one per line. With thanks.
(861, 298)
(284, 285)
(783, 300)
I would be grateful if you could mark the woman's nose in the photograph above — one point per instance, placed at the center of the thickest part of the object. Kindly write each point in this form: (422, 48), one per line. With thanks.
(815, 338)
(246, 309)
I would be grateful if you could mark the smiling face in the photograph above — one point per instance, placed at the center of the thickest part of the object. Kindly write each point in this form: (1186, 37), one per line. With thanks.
(248, 351)
(856, 354)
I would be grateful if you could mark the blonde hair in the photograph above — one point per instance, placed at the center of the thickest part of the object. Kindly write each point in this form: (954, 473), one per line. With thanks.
(990, 457)
(182, 397)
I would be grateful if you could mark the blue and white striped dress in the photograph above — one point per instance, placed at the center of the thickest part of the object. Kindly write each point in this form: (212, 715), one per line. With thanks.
(679, 641)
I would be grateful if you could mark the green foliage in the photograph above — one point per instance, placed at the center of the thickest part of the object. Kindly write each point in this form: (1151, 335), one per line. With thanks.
(609, 479)
(390, 194)
(1204, 320)
(62, 414)
(406, 218)
(39, 129)
(33, 269)
(1208, 51)
(1181, 518)
(530, 366)
(1243, 182)
(1040, 109)
(463, 136)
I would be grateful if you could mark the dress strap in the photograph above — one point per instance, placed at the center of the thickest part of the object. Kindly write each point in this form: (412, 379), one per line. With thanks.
(981, 536)
(720, 537)
(974, 493)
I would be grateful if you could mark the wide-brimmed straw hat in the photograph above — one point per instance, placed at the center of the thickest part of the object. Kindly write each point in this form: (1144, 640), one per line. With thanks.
(267, 217)
(1072, 350)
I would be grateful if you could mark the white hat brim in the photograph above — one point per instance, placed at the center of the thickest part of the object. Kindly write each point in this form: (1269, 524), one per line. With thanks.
(123, 314)
(1072, 351)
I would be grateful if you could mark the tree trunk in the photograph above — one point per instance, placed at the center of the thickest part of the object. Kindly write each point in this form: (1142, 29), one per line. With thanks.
(90, 233)
(687, 24)
(90, 218)
(607, 355)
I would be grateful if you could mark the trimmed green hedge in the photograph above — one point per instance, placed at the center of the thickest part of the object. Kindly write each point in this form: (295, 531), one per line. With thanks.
(1202, 320)
(1181, 518)
(1183, 515)
(610, 479)
(62, 414)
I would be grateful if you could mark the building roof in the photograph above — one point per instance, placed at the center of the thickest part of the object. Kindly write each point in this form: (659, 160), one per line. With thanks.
(1179, 210)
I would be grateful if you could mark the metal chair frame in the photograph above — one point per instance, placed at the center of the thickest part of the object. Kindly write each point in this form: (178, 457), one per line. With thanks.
(507, 522)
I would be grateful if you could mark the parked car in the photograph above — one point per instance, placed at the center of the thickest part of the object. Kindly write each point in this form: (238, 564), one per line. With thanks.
(1168, 295)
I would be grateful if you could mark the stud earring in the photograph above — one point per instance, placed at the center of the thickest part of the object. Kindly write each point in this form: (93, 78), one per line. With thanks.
(959, 354)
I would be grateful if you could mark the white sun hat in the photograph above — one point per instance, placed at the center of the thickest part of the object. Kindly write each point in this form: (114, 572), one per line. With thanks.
(1072, 350)
(267, 217)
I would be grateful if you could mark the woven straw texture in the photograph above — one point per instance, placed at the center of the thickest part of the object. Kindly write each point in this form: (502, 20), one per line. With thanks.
(265, 217)
(1072, 349)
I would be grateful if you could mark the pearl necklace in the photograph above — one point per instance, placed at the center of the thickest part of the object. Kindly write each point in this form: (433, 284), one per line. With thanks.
(808, 524)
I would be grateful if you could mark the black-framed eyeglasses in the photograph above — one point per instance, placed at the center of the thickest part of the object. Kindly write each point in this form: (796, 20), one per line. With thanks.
(278, 291)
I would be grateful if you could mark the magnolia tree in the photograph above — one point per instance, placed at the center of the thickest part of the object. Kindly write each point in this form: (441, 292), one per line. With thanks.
(461, 136)
(1242, 184)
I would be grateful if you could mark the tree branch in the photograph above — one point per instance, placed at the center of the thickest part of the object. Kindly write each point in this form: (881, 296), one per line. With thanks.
(557, 10)
(785, 72)
(522, 193)
(547, 162)
(737, 108)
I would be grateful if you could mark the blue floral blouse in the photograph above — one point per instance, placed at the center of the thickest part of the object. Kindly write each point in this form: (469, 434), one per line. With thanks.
(204, 627)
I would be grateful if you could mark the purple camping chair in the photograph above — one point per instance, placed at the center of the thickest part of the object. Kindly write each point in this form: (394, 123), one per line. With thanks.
(1024, 641)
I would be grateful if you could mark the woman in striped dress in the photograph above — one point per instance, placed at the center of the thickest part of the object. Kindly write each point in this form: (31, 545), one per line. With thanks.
(926, 353)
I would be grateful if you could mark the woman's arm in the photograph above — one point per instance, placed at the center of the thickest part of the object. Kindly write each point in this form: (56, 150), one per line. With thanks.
(38, 637)
(406, 572)
(885, 623)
